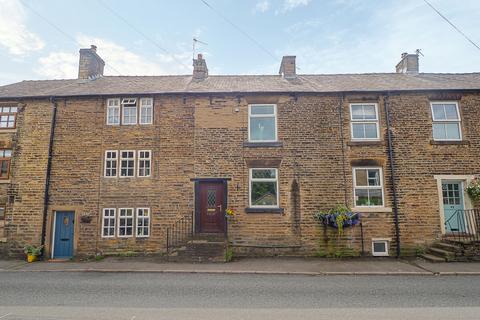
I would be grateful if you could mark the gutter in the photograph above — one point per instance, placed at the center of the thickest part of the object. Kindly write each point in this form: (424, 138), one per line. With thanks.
(245, 93)
(46, 197)
(392, 174)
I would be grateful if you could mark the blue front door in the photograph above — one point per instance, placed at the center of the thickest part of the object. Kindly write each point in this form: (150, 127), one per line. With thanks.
(452, 201)
(63, 238)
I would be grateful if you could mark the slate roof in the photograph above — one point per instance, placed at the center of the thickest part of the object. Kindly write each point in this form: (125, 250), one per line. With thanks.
(125, 85)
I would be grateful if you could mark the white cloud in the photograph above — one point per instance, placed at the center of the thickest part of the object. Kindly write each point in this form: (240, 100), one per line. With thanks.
(333, 45)
(118, 59)
(289, 5)
(14, 34)
(58, 65)
(261, 6)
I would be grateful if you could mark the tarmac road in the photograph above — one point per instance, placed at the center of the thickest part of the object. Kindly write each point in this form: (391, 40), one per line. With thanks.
(96, 295)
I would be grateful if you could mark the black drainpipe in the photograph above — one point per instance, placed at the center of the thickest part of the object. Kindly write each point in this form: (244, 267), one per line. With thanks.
(49, 167)
(392, 175)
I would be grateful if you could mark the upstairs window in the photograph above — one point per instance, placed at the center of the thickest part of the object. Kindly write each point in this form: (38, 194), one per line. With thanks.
(2, 213)
(5, 156)
(127, 163)
(364, 121)
(8, 117)
(146, 111)
(144, 163)
(129, 111)
(113, 112)
(446, 121)
(264, 188)
(262, 123)
(111, 163)
(368, 187)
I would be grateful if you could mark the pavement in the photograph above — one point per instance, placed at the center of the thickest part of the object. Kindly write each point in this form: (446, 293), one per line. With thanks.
(284, 265)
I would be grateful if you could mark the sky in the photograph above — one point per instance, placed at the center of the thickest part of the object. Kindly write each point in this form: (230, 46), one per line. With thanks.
(40, 39)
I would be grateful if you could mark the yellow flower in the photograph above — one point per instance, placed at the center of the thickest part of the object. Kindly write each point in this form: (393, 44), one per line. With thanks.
(230, 212)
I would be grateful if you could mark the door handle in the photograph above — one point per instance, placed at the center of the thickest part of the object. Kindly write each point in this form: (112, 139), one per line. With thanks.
(220, 207)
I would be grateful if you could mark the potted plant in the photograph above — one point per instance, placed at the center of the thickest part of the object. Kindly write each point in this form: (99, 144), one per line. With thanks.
(473, 190)
(338, 217)
(32, 252)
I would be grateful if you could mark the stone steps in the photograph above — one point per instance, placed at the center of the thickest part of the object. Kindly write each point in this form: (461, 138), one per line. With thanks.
(201, 248)
(447, 255)
(432, 258)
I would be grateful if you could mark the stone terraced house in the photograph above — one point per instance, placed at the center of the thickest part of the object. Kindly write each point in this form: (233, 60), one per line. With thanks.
(145, 164)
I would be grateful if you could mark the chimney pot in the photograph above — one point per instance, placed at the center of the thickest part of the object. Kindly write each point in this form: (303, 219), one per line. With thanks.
(200, 70)
(90, 64)
(408, 63)
(288, 67)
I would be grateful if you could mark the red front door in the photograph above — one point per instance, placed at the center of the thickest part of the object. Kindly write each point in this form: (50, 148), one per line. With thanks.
(212, 207)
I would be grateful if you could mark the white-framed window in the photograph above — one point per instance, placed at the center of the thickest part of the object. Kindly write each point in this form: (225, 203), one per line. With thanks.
(368, 187)
(262, 123)
(113, 112)
(127, 163)
(380, 247)
(263, 188)
(111, 163)
(144, 163)
(146, 111)
(129, 111)
(446, 121)
(125, 222)
(364, 122)
(143, 222)
(8, 117)
(108, 222)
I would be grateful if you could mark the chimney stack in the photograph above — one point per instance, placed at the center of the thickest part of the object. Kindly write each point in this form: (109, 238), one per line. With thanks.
(90, 65)
(408, 63)
(287, 68)
(200, 70)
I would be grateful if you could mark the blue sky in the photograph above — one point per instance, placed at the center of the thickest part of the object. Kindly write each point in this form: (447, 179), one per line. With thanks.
(327, 36)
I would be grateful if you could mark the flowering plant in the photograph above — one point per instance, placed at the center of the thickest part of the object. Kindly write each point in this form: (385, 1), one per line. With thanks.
(338, 217)
(229, 213)
(473, 189)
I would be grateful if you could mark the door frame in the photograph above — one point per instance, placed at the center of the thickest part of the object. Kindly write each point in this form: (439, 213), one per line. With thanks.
(197, 211)
(54, 219)
(467, 204)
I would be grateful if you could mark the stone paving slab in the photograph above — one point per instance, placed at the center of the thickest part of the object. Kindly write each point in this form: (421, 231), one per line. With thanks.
(450, 267)
(258, 265)
(306, 266)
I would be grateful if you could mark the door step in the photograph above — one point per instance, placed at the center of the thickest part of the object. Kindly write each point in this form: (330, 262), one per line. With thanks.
(201, 248)
(432, 258)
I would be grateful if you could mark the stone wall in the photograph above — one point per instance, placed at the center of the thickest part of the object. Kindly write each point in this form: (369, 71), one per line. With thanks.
(199, 136)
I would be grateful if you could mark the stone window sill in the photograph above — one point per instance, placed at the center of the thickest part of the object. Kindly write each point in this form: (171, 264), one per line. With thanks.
(275, 144)
(442, 142)
(4, 181)
(4, 239)
(8, 130)
(365, 143)
(264, 210)
(371, 209)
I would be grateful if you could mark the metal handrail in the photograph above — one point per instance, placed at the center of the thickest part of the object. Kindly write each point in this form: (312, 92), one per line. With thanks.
(465, 225)
(179, 232)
